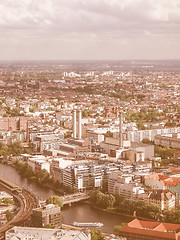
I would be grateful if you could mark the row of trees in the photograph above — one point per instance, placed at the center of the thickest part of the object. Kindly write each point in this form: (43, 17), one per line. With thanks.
(172, 216)
(166, 153)
(14, 149)
(41, 177)
(128, 206)
(12, 112)
(118, 228)
(125, 206)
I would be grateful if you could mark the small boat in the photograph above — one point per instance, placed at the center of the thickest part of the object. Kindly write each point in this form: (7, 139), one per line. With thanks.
(90, 224)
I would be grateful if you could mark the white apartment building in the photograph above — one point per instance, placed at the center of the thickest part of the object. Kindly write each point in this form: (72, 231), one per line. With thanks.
(122, 186)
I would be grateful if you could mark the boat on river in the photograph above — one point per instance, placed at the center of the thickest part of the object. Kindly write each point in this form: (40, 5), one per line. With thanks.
(90, 224)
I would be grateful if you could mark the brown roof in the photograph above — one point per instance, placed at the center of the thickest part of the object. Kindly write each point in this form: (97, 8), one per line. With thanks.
(154, 229)
(144, 232)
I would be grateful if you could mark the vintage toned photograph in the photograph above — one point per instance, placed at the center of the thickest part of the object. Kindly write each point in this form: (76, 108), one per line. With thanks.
(89, 119)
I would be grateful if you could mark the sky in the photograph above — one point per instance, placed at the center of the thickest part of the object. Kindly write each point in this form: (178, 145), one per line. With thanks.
(89, 29)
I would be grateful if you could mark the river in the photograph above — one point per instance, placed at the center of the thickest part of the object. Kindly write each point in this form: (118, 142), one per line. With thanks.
(81, 212)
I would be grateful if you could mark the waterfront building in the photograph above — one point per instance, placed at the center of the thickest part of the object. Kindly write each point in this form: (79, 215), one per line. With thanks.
(146, 230)
(38, 163)
(123, 186)
(48, 215)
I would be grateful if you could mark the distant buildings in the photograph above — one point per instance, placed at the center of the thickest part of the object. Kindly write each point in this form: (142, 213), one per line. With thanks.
(13, 123)
(172, 141)
(139, 135)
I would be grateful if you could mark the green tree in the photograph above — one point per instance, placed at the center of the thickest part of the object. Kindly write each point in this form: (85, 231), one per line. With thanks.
(97, 235)
(8, 201)
(9, 215)
(108, 134)
(118, 228)
(96, 198)
(55, 200)
(108, 201)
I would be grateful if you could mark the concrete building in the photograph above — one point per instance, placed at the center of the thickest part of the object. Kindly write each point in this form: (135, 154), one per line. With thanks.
(95, 135)
(123, 186)
(167, 141)
(47, 142)
(133, 156)
(48, 215)
(147, 149)
(111, 146)
(139, 135)
(38, 163)
(82, 176)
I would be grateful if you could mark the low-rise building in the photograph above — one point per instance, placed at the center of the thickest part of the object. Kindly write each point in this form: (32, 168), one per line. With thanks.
(24, 233)
(146, 230)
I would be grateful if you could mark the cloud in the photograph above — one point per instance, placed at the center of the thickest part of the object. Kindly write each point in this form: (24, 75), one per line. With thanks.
(94, 23)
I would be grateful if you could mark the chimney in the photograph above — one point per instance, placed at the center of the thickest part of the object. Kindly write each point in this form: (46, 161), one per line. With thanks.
(8, 125)
(79, 124)
(120, 130)
(74, 123)
(27, 132)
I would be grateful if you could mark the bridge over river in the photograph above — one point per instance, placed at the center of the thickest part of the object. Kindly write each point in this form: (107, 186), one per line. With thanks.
(73, 198)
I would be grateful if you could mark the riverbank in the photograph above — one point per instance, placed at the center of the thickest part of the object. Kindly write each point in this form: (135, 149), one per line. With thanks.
(34, 179)
(79, 212)
(119, 213)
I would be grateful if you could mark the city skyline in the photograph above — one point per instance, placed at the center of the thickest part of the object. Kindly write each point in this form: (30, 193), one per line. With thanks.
(89, 30)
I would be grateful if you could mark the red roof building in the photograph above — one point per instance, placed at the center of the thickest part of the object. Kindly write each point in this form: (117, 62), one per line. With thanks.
(142, 230)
